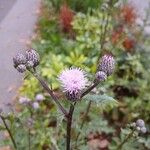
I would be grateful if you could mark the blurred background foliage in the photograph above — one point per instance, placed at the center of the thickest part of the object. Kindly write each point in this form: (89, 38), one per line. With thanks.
(77, 33)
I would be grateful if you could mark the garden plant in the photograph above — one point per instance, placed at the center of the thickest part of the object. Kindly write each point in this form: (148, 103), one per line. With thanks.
(86, 85)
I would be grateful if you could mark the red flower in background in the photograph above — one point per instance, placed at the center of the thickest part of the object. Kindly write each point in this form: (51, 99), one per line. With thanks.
(66, 17)
(128, 44)
(116, 35)
(128, 14)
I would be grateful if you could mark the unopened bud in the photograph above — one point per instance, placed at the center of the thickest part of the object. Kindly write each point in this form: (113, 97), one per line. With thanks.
(133, 124)
(24, 100)
(39, 97)
(19, 59)
(32, 55)
(35, 105)
(143, 129)
(138, 128)
(21, 68)
(107, 64)
(101, 76)
(74, 96)
(29, 64)
(140, 123)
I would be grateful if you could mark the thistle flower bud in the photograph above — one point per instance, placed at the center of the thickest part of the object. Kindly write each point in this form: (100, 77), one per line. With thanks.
(143, 130)
(21, 68)
(39, 97)
(133, 124)
(35, 105)
(24, 100)
(138, 128)
(29, 64)
(32, 55)
(140, 123)
(107, 64)
(19, 59)
(74, 96)
(101, 76)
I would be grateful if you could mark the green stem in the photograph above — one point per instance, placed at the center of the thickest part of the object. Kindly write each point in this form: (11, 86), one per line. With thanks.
(54, 98)
(125, 140)
(83, 121)
(69, 124)
(89, 89)
(9, 132)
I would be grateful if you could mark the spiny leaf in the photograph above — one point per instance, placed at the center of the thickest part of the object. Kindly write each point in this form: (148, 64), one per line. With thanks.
(104, 101)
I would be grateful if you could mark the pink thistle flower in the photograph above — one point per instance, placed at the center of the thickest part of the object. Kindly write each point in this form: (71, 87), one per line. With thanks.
(73, 81)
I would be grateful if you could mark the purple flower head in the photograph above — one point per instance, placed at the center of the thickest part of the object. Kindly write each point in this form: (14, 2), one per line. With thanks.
(101, 76)
(73, 81)
(107, 64)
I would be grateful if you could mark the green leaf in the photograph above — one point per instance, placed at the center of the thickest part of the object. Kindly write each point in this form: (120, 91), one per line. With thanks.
(104, 101)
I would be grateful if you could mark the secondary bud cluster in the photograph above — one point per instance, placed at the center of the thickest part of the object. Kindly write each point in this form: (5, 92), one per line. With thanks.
(19, 62)
(106, 67)
(24, 100)
(107, 64)
(139, 125)
(32, 57)
(36, 103)
(22, 61)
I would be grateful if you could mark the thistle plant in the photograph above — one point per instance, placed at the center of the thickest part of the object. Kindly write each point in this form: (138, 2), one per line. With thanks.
(133, 131)
(74, 84)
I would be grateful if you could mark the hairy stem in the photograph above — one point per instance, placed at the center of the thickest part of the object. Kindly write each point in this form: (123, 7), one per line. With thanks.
(69, 124)
(88, 90)
(125, 140)
(9, 132)
(83, 121)
(46, 87)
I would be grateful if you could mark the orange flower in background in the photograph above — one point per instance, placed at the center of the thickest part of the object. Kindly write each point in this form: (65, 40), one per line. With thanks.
(66, 17)
(128, 44)
(128, 14)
